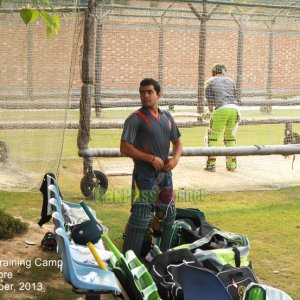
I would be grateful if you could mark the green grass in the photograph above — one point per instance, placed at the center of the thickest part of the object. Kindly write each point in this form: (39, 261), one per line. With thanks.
(270, 219)
(102, 138)
(10, 226)
(110, 138)
(121, 114)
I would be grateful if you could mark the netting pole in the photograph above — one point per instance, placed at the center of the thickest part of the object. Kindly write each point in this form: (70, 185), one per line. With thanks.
(239, 62)
(88, 84)
(268, 109)
(270, 61)
(203, 18)
(239, 79)
(161, 55)
(98, 65)
(99, 61)
(29, 63)
(161, 47)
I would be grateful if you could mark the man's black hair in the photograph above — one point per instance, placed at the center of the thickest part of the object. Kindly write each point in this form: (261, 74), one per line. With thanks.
(151, 81)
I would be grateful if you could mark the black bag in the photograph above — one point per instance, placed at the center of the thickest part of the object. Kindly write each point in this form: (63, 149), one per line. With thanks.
(165, 270)
(236, 280)
(88, 231)
(48, 242)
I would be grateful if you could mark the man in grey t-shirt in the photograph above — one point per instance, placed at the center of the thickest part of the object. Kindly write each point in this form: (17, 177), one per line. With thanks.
(222, 104)
(146, 138)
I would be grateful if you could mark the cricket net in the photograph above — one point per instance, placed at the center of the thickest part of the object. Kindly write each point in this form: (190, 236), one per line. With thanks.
(176, 43)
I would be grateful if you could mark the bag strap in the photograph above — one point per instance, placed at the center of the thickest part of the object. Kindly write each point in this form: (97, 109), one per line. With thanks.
(237, 257)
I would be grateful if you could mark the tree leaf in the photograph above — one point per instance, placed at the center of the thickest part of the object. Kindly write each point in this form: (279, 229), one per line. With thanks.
(49, 31)
(47, 18)
(56, 23)
(26, 15)
(0, 3)
(35, 15)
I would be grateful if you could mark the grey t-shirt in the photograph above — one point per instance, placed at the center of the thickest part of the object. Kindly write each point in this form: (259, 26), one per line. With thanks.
(150, 134)
(219, 91)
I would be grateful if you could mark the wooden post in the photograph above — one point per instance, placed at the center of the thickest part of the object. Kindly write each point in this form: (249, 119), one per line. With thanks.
(83, 137)
(161, 55)
(239, 71)
(203, 18)
(201, 64)
(98, 66)
(29, 62)
(240, 55)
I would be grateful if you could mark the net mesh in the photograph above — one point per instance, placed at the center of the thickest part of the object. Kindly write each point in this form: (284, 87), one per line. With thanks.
(176, 43)
(34, 95)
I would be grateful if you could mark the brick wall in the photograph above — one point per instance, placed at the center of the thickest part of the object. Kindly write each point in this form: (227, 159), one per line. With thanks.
(131, 52)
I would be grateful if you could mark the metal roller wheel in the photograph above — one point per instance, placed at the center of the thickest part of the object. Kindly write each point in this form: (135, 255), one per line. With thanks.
(91, 181)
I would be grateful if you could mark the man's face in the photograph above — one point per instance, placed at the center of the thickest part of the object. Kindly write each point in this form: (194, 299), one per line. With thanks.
(148, 96)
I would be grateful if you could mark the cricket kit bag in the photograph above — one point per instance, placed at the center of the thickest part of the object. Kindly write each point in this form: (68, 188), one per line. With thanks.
(218, 248)
(188, 218)
(165, 270)
(236, 280)
(178, 275)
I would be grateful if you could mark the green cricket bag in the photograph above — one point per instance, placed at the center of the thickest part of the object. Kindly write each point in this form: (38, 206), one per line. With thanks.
(187, 220)
(218, 249)
(255, 291)
(193, 214)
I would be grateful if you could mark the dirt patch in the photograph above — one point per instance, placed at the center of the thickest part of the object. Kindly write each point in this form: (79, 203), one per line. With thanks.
(253, 173)
(20, 254)
(26, 245)
(17, 256)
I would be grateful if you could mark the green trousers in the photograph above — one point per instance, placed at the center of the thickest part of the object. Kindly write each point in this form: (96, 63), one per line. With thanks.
(223, 120)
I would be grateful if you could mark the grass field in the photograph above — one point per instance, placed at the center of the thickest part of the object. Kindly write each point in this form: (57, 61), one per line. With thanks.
(122, 113)
(37, 151)
(270, 219)
(109, 138)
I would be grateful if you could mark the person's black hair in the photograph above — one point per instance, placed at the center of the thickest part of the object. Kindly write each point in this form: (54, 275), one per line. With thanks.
(151, 81)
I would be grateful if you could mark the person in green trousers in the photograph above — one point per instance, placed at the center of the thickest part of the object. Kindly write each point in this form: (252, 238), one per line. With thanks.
(220, 94)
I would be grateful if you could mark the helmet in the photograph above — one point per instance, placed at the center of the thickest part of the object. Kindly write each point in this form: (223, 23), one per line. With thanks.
(218, 69)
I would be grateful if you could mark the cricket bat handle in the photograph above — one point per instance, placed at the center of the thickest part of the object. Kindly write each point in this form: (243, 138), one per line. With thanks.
(97, 257)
